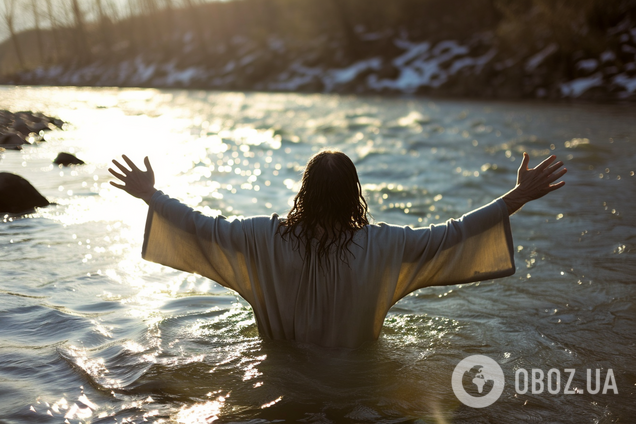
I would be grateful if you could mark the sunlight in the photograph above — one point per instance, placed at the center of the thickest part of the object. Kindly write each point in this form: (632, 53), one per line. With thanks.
(201, 413)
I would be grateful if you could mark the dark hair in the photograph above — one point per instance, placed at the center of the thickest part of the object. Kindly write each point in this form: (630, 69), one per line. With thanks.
(329, 207)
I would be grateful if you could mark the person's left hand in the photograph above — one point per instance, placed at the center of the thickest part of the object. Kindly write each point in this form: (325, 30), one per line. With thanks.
(137, 183)
(534, 183)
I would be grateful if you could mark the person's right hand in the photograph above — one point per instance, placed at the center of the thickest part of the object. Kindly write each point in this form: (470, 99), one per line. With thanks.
(533, 183)
(137, 183)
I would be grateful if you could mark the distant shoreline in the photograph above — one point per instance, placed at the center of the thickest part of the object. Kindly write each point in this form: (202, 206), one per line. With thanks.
(433, 96)
(450, 48)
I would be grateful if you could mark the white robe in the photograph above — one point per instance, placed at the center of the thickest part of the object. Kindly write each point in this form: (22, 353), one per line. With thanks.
(336, 305)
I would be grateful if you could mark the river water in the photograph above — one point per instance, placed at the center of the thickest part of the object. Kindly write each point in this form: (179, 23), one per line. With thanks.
(89, 332)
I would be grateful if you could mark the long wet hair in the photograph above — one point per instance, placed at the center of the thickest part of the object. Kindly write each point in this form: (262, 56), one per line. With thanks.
(329, 207)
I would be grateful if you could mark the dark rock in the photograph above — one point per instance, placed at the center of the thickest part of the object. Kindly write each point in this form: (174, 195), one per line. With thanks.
(26, 122)
(67, 159)
(12, 141)
(6, 117)
(21, 126)
(18, 195)
(27, 115)
(36, 127)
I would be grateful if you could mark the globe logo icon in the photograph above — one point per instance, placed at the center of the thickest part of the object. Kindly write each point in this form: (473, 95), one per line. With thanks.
(478, 381)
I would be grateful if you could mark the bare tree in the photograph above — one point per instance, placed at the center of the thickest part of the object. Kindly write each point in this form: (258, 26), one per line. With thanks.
(168, 12)
(54, 29)
(80, 30)
(139, 24)
(8, 15)
(346, 23)
(149, 10)
(38, 31)
(132, 28)
(104, 25)
(196, 22)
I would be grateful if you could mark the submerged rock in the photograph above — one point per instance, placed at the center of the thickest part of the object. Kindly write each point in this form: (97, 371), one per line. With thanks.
(66, 159)
(18, 195)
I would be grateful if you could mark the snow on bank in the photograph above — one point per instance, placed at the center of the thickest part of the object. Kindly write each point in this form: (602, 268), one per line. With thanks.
(538, 58)
(629, 84)
(298, 75)
(578, 86)
(416, 65)
(336, 77)
(419, 66)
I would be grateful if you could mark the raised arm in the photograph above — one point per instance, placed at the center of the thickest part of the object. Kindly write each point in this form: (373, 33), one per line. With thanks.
(533, 183)
(182, 238)
(478, 246)
(137, 183)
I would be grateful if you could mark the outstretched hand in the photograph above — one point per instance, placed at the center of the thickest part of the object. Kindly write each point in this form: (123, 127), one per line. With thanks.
(137, 183)
(533, 183)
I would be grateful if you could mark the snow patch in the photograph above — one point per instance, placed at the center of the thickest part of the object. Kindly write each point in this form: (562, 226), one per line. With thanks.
(249, 59)
(229, 67)
(578, 86)
(587, 65)
(413, 50)
(298, 75)
(345, 75)
(372, 36)
(276, 44)
(607, 56)
(184, 76)
(422, 66)
(124, 71)
(536, 60)
(628, 83)
(477, 62)
(304, 75)
(143, 72)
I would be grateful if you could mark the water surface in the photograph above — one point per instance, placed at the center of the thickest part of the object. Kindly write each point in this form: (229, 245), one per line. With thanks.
(89, 332)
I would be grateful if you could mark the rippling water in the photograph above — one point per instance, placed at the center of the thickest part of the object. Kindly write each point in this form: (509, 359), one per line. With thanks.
(89, 332)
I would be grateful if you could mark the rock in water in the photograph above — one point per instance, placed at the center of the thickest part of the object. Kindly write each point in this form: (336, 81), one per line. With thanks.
(21, 127)
(18, 195)
(12, 141)
(67, 159)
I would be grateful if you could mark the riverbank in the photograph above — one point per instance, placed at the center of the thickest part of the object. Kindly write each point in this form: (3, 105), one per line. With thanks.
(470, 68)
(489, 50)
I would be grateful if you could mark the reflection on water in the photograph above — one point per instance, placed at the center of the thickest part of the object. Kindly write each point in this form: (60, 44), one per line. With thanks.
(91, 333)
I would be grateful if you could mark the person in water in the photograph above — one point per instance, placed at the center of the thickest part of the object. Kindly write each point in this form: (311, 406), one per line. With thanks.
(324, 274)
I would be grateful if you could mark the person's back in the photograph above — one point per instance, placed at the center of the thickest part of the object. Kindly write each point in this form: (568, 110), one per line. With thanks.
(343, 304)
(324, 275)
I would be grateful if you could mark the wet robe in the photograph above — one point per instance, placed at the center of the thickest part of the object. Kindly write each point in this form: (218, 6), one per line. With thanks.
(337, 305)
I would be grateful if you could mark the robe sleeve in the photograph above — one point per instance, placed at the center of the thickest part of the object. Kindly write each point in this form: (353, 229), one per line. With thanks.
(476, 247)
(182, 238)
